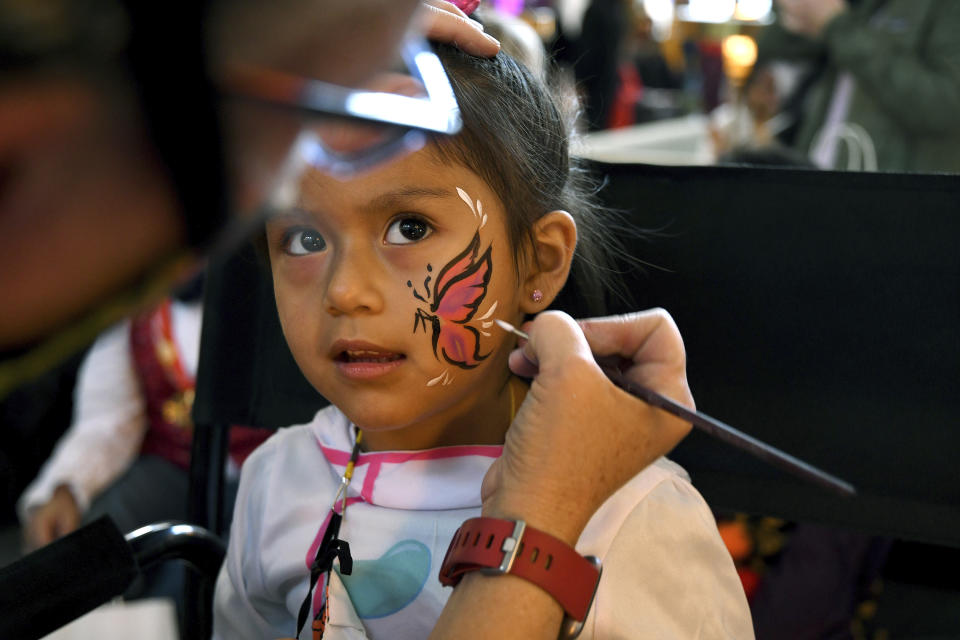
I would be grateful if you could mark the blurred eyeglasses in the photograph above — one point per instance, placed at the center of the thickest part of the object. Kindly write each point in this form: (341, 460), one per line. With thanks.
(355, 129)
(358, 127)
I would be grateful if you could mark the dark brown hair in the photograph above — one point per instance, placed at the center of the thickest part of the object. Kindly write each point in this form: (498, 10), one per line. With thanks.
(516, 136)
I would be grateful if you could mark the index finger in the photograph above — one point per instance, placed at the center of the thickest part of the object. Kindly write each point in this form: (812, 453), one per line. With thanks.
(444, 22)
(554, 336)
(648, 336)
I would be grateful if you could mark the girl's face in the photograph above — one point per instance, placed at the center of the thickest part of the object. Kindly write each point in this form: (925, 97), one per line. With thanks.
(387, 286)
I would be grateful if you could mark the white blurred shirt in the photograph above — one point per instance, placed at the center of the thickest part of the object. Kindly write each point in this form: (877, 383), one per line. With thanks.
(109, 415)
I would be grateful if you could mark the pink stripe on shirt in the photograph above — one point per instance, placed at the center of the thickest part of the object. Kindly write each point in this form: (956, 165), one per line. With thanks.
(372, 472)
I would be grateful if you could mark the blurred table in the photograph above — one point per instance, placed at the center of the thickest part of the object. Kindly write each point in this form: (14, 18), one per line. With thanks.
(671, 142)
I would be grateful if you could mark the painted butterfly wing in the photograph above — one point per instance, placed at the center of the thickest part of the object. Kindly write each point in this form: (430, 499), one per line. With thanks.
(459, 344)
(462, 285)
(455, 268)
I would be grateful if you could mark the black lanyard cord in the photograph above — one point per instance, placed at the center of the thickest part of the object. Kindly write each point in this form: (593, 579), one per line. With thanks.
(331, 546)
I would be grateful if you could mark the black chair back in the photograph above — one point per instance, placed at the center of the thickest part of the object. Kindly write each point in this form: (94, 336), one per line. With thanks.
(821, 314)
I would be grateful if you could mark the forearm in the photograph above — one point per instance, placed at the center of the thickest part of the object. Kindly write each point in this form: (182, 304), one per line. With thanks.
(485, 606)
(108, 424)
(87, 459)
(92, 464)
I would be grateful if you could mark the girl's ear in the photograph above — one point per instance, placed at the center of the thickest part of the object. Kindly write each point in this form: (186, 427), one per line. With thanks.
(554, 239)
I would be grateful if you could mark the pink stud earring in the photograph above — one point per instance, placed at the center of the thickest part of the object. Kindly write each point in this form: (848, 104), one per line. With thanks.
(537, 295)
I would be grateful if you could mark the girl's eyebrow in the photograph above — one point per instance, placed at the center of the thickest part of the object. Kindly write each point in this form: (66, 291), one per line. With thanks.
(295, 214)
(403, 195)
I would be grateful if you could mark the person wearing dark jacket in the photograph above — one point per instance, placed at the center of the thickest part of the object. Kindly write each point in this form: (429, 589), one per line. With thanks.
(888, 92)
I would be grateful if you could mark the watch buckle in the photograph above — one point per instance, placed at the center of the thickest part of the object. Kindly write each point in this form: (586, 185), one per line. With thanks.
(510, 548)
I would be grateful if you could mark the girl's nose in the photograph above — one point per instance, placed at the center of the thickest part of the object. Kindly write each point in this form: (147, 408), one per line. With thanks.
(353, 285)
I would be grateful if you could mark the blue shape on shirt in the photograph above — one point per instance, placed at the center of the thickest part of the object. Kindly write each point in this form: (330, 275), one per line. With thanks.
(385, 585)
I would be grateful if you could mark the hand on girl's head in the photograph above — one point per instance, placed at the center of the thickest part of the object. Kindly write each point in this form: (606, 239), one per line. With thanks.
(445, 22)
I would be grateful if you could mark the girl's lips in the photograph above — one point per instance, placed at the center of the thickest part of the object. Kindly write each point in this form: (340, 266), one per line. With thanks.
(366, 355)
(361, 360)
(368, 368)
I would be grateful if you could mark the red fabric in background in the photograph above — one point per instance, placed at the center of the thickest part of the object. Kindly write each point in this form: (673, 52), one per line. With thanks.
(165, 439)
(629, 93)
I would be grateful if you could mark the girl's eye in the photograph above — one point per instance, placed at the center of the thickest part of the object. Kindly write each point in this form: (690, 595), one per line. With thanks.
(300, 242)
(407, 230)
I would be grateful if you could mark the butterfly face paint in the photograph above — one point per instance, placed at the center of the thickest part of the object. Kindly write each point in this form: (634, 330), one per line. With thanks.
(457, 294)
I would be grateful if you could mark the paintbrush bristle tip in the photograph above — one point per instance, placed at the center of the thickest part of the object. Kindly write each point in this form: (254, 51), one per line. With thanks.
(506, 326)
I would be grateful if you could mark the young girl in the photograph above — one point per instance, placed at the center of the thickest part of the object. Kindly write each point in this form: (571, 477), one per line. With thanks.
(387, 288)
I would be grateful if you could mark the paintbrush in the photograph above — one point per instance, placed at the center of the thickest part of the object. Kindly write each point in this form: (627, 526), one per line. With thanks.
(719, 429)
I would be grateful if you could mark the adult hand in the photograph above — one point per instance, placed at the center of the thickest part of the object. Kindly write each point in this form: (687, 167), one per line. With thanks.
(55, 519)
(444, 22)
(577, 438)
(809, 17)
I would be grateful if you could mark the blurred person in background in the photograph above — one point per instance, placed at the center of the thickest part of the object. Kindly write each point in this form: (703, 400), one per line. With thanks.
(746, 129)
(887, 86)
(127, 451)
(596, 65)
(620, 68)
(749, 119)
(647, 87)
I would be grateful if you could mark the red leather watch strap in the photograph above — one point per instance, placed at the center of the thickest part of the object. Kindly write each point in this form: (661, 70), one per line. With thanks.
(507, 546)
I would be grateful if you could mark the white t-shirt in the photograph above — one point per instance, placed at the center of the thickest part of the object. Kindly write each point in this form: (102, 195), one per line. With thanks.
(666, 573)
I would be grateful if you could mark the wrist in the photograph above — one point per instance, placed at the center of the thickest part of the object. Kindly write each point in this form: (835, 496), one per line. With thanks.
(559, 494)
(512, 547)
(562, 521)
